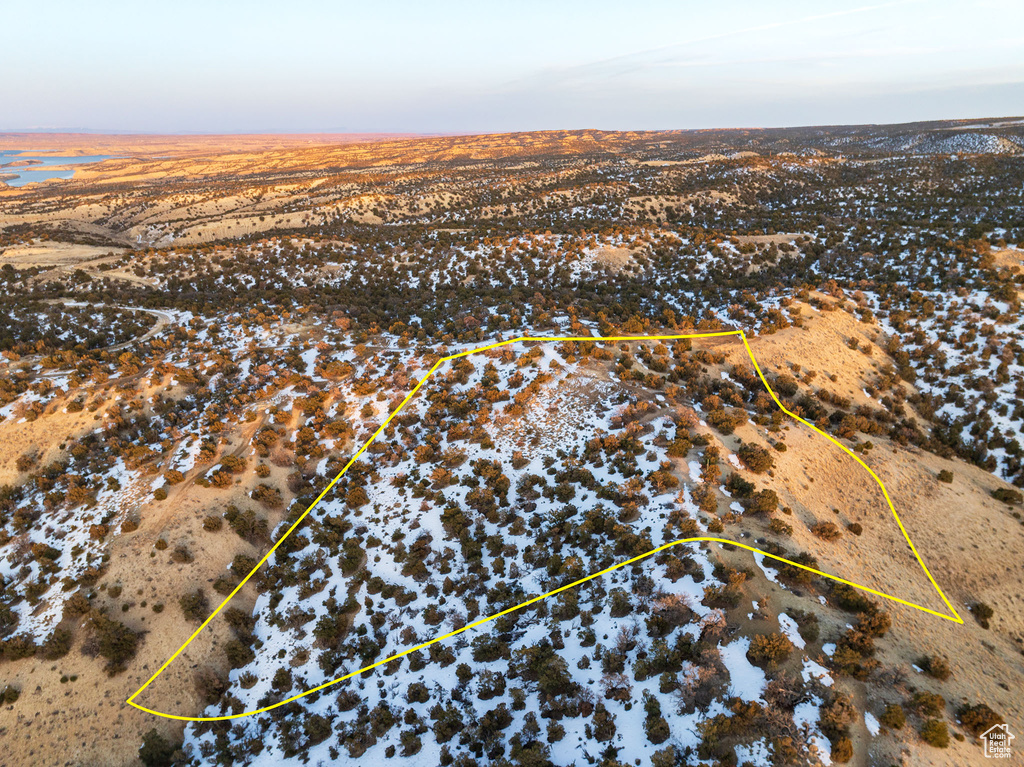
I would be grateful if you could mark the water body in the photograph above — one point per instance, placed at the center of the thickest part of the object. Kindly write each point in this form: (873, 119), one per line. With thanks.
(41, 164)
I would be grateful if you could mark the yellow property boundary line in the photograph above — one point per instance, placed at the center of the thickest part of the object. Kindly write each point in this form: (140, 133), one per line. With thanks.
(587, 339)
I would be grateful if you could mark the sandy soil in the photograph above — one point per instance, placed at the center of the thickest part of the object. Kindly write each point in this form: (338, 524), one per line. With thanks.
(51, 253)
(1011, 258)
(616, 259)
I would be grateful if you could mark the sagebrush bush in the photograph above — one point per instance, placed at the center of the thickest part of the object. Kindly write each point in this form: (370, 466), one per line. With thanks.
(209, 685)
(982, 613)
(935, 667)
(978, 718)
(842, 750)
(755, 457)
(807, 624)
(156, 750)
(173, 477)
(827, 531)
(769, 650)
(58, 645)
(1008, 496)
(10, 694)
(928, 704)
(113, 641)
(935, 733)
(194, 606)
(893, 717)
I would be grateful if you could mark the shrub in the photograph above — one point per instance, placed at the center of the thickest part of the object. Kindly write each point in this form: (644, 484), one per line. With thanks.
(792, 574)
(238, 654)
(9, 694)
(224, 585)
(893, 717)
(247, 525)
(852, 600)
(769, 650)
(827, 531)
(160, 493)
(173, 477)
(58, 645)
(928, 704)
(738, 486)
(76, 605)
(269, 496)
(855, 527)
(248, 680)
(936, 667)
(978, 718)
(1008, 496)
(763, 502)
(411, 743)
(835, 717)
(785, 385)
(283, 680)
(181, 554)
(982, 613)
(945, 476)
(656, 729)
(807, 624)
(779, 527)
(194, 606)
(935, 733)
(156, 751)
(213, 523)
(842, 750)
(848, 661)
(209, 685)
(417, 693)
(604, 724)
(317, 728)
(160, 544)
(233, 464)
(114, 641)
(17, 648)
(724, 421)
(356, 497)
(755, 457)
(876, 624)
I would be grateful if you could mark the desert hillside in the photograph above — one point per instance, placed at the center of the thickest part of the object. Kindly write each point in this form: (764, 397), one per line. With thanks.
(198, 334)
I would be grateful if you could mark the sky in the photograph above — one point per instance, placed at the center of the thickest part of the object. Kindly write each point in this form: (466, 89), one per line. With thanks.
(448, 66)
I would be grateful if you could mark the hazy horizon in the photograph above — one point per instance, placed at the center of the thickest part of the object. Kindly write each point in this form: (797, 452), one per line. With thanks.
(463, 68)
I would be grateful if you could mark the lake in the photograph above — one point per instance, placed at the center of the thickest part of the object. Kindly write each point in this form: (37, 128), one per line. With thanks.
(39, 170)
